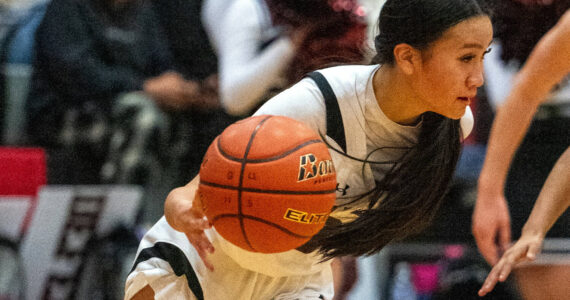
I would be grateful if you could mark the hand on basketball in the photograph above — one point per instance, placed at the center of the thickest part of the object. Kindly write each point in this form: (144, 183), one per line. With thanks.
(525, 249)
(184, 213)
(491, 226)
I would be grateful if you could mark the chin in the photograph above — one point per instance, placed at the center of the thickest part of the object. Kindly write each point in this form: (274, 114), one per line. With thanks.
(454, 115)
(457, 116)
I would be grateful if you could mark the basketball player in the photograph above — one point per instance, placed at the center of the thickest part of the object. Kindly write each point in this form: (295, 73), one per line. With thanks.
(394, 129)
(546, 66)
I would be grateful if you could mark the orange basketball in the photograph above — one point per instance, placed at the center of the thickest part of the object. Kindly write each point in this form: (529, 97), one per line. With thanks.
(267, 183)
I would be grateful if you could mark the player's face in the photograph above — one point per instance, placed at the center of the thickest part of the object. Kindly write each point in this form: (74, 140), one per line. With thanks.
(452, 67)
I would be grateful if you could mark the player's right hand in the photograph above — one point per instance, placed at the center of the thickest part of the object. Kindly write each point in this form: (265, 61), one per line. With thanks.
(491, 226)
(183, 211)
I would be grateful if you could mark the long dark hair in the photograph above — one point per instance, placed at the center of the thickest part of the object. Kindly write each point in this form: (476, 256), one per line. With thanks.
(414, 188)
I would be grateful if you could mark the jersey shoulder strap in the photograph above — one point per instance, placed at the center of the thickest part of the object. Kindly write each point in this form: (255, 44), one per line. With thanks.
(177, 261)
(335, 127)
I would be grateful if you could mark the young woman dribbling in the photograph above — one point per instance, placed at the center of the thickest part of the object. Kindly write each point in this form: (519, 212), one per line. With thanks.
(404, 117)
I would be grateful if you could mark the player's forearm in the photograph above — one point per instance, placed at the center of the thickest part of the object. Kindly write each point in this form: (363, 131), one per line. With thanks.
(554, 198)
(511, 123)
(179, 201)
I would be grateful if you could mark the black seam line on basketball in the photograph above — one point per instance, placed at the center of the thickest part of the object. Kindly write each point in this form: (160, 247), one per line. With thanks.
(256, 161)
(242, 171)
(261, 191)
(216, 218)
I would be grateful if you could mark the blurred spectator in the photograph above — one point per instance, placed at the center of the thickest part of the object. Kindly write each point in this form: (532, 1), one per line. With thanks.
(278, 43)
(18, 20)
(103, 78)
(11, 11)
(212, 13)
(194, 57)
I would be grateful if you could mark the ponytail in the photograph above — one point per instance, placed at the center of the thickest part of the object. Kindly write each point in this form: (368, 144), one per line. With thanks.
(405, 201)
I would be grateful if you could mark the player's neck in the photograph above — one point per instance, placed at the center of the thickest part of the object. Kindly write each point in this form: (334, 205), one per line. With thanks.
(395, 96)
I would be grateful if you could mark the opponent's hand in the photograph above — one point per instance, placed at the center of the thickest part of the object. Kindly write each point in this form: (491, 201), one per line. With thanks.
(183, 211)
(491, 226)
(525, 249)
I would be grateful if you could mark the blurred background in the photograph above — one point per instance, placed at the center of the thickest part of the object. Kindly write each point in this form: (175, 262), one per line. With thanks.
(106, 105)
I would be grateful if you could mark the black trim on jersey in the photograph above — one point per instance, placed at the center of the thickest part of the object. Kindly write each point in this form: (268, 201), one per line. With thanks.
(178, 262)
(335, 127)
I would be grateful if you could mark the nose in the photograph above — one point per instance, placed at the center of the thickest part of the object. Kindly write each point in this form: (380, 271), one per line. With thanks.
(475, 79)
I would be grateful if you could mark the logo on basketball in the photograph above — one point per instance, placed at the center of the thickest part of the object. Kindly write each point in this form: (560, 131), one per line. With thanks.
(304, 217)
(310, 167)
(268, 184)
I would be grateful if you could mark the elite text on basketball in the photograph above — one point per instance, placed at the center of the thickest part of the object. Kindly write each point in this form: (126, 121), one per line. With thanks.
(304, 217)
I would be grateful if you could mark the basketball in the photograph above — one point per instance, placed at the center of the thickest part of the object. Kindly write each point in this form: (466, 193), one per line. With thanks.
(267, 183)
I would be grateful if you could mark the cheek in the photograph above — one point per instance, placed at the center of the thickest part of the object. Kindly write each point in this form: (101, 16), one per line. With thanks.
(446, 81)
(439, 87)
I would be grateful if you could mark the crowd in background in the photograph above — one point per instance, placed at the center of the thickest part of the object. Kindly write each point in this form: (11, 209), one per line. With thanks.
(134, 91)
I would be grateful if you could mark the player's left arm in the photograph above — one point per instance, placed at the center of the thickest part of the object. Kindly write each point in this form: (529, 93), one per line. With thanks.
(183, 212)
(553, 200)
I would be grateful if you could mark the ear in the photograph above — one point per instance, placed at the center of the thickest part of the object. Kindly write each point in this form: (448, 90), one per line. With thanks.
(406, 57)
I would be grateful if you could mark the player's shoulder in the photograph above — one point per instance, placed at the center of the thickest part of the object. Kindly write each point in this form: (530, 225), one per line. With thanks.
(348, 75)
(349, 80)
(348, 71)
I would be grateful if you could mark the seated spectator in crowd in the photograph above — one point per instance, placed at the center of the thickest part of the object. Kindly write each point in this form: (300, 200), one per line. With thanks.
(103, 80)
(104, 95)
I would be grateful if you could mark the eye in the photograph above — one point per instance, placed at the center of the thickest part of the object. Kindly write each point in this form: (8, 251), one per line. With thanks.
(467, 58)
(471, 56)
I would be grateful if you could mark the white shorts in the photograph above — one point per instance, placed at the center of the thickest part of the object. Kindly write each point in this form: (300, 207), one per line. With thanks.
(168, 263)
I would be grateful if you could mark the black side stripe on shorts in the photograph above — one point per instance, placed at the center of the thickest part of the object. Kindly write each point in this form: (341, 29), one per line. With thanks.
(335, 127)
(177, 260)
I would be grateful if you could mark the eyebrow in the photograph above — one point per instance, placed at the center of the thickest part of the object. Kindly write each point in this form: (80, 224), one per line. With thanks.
(474, 45)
